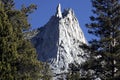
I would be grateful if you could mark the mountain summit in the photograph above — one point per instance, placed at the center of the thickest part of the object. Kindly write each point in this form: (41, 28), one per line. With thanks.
(58, 42)
(58, 11)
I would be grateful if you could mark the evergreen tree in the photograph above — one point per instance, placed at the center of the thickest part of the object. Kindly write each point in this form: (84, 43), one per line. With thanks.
(46, 72)
(105, 50)
(74, 72)
(8, 50)
(18, 59)
(8, 4)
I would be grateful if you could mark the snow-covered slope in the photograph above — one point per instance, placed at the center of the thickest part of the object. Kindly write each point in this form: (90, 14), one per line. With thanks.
(59, 40)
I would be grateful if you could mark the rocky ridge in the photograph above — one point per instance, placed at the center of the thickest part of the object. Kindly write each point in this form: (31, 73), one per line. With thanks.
(58, 42)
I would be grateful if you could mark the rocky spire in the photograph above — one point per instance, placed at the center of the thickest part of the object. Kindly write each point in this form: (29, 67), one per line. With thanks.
(59, 41)
(58, 11)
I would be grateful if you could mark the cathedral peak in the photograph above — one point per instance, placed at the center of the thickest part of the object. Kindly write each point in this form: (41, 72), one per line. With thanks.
(58, 42)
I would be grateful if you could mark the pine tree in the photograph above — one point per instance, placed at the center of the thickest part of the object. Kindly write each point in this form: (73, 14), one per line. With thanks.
(8, 4)
(18, 59)
(8, 50)
(105, 50)
(74, 72)
(46, 72)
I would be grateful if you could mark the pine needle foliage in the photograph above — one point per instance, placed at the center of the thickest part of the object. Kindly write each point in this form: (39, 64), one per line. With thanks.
(105, 50)
(18, 58)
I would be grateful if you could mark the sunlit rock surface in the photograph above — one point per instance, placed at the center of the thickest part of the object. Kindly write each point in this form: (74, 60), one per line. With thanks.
(58, 41)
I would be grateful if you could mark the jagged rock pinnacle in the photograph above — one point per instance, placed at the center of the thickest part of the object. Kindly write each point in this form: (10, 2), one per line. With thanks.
(59, 41)
(58, 11)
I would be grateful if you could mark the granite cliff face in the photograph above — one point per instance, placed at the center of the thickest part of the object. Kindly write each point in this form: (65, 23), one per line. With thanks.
(59, 40)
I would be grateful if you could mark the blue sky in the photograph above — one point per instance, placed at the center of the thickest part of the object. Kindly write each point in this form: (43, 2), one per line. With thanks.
(47, 8)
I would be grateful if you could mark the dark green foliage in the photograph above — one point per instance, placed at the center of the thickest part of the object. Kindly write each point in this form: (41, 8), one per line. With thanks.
(46, 72)
(18, 58)
(73, 76)
(105, 50)
(8, 4)
(74, 72)
(8, 52)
